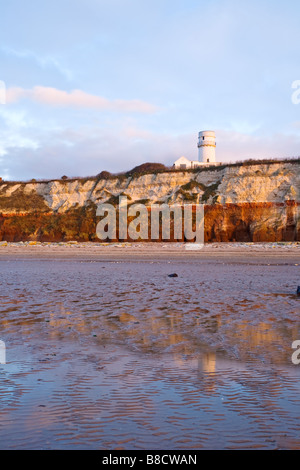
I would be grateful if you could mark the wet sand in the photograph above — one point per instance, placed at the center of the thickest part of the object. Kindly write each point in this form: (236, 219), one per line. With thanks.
(105, 351)
(148, 251)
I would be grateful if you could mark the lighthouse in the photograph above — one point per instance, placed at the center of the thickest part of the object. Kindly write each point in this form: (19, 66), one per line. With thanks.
(206, 152)
(207, 147)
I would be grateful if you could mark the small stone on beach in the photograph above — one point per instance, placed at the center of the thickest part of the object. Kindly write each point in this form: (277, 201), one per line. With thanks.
(173, 275)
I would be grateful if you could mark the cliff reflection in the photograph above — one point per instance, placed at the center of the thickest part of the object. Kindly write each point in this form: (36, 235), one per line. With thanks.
(190, 333)
(118, 354)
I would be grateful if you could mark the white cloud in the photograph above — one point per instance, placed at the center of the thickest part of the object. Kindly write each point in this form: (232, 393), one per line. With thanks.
(77, 98)
(234, 146)
(88, 150)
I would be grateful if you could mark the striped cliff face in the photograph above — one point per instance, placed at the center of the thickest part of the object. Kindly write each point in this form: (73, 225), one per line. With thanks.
(258, 202)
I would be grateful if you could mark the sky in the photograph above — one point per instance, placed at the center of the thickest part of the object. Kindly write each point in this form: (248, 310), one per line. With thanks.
(94, 85)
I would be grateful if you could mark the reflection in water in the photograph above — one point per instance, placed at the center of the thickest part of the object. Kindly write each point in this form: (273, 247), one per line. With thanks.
(208, 362)
(117, 355)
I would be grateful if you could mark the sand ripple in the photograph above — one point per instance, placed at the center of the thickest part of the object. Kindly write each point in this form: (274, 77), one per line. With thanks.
(112, 355)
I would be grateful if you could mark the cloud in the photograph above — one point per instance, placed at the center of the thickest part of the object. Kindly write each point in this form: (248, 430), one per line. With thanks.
(88, 150)
(236, 146)
(78, 99)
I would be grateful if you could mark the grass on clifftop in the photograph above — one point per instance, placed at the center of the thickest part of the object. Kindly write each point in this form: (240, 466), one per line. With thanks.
(154, 168)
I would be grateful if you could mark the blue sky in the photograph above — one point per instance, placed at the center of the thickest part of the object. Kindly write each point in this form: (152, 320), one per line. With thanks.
(106, 85)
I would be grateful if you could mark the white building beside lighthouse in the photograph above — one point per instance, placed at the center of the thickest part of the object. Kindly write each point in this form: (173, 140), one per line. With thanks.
(206, 152)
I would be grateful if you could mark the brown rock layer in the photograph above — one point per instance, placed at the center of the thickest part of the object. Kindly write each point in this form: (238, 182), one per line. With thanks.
(243, 222)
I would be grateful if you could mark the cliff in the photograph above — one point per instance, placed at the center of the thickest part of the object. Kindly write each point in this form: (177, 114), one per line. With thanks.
(253, 202)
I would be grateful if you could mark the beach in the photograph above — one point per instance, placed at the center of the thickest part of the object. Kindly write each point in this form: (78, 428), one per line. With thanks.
(105, 351)
(152, 250)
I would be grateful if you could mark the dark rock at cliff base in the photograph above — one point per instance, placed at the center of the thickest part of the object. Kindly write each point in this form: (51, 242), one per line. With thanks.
(173, 275)
(298, 291)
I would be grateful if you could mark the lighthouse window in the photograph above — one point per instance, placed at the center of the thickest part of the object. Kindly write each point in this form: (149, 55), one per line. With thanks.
(202, 138)
(208, 160)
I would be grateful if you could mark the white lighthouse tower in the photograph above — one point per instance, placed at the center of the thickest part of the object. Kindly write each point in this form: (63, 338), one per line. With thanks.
(207, 147)
(206, 155)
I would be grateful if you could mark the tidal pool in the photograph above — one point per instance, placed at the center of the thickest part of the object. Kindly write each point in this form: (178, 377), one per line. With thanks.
(117, 355)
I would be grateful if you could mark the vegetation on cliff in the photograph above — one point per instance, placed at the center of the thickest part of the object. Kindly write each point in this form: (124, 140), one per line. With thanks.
(20, 201)
(248, 201)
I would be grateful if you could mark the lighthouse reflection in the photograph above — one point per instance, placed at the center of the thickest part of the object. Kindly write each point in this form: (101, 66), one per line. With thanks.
(207, 363)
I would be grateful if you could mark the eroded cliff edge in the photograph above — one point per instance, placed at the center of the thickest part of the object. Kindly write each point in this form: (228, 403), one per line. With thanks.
(254, 202)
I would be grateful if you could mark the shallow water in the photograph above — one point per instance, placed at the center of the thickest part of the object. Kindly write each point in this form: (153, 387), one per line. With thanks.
(117, 355)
